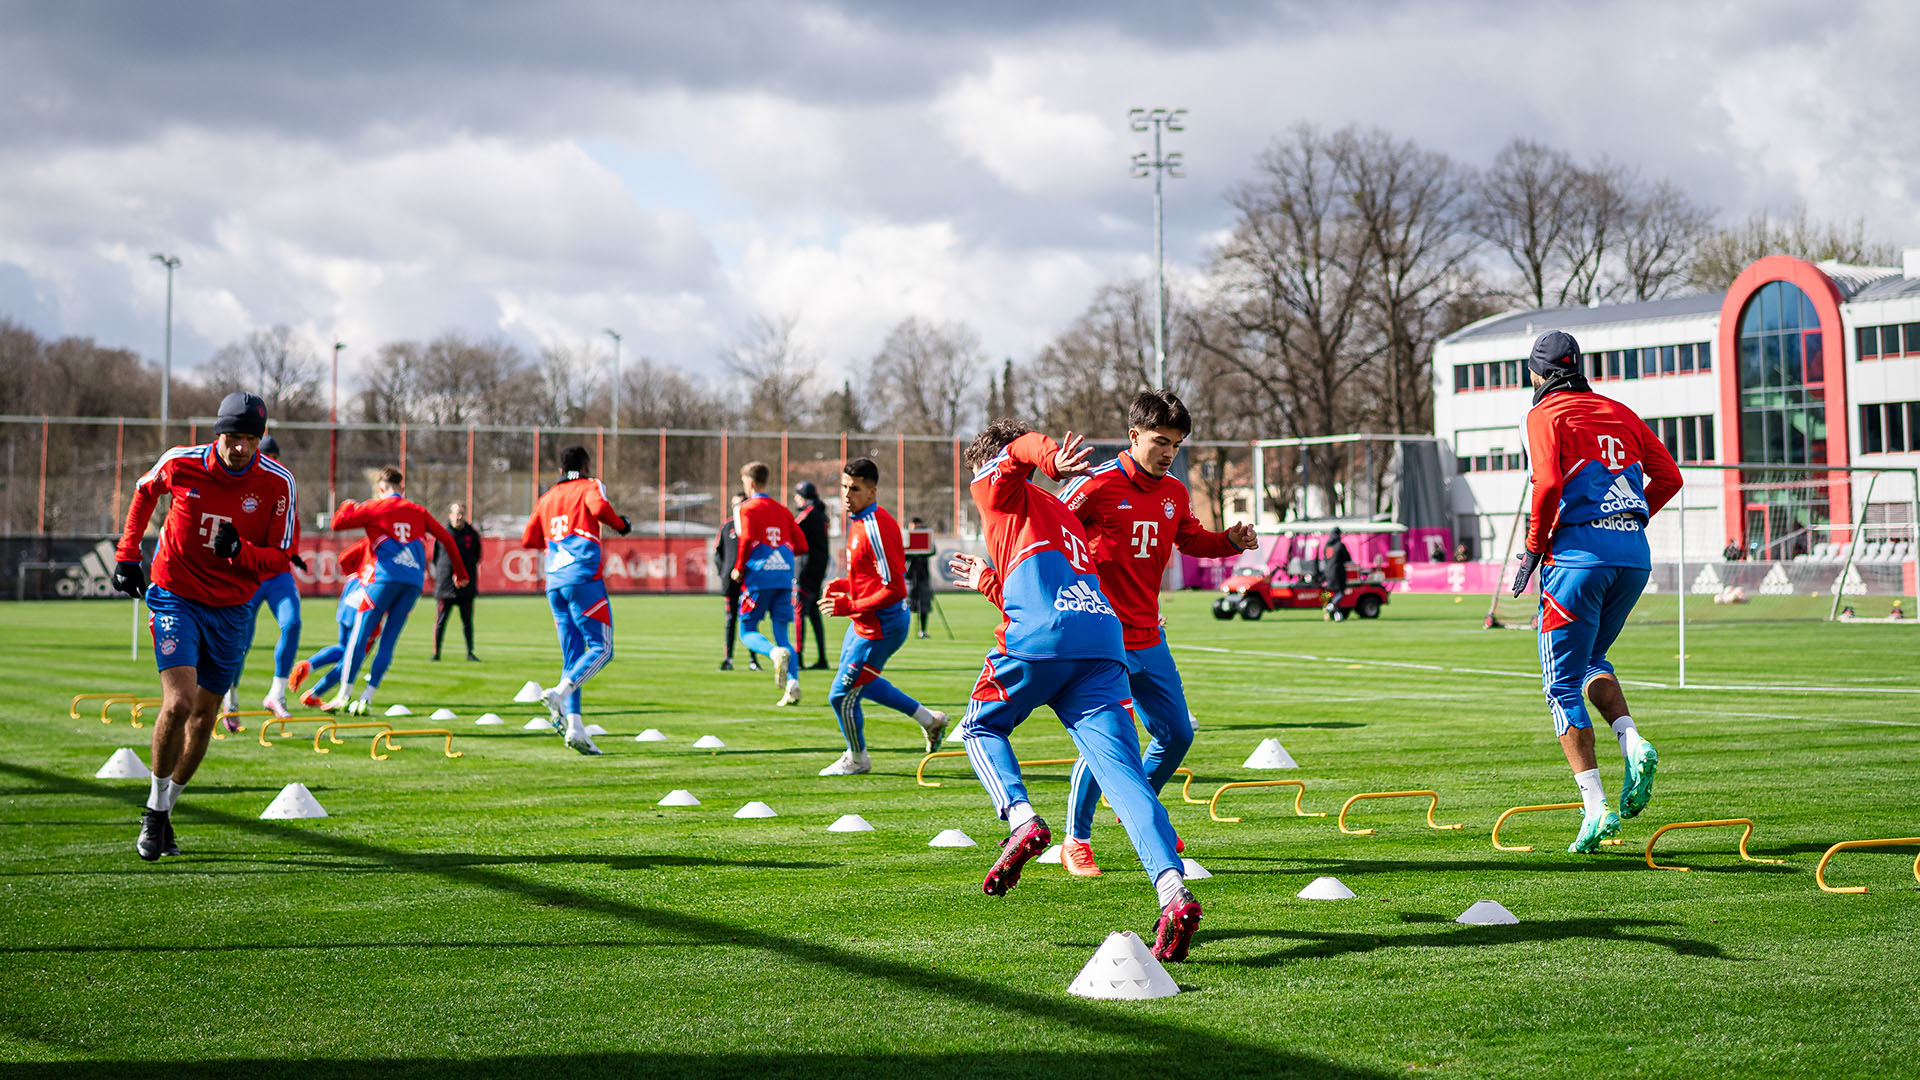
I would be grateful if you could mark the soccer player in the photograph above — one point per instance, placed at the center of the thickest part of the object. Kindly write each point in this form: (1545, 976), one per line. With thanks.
(1335, 559)
(726, 544)
(1599, 475)
(281, 595)
(811, 520)
(1135, 515)
(230, 524)
(448, 596)
(566, 522)
(769, 542)
(874, 596)
(356, 566)
(1059, 645)
(399, 528)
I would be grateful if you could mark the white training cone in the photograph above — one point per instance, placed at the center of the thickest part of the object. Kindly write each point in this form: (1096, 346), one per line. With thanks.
(1325, 888)
(1123, 969)
(294, 801)
(1487, 913)
(709, 742)
(850, 823)
(679, 797)
(952, 838)
(650, 735)
(489, 718)
(528, 694)
(1051, 855)
(399, 710)
(444, 713)
(538, 723)
(1193, 871)
(954, 732)
(596, 729)
(755, 808)
(1270, 755)
(124, 765)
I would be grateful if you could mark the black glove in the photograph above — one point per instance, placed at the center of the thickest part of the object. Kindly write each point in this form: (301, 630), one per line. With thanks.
(296, 560)
(625, 525)
(130, 579)
(1529, 562)
(226, 542)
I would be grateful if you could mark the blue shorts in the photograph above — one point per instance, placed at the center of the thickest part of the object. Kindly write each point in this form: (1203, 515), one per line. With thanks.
(1582, 610)
(187, 633)
(1009, 689)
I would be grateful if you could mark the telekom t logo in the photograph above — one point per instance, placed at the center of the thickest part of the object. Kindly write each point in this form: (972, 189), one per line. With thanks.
(1144, 533)
(1610, 451)
(402, 531)
(210, 526)
(1076, 550)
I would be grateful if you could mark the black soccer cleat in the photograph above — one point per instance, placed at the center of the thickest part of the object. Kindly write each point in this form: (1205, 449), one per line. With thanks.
(727, 664)
(753, 663)
(154, 839)
(172, 848)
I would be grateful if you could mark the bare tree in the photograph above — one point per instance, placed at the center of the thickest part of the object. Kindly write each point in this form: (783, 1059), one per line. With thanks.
(1663, 236)
(925, 375)
(1524, 212)
(1597, 205)
(1721, 256)
(777, 371)
(275, 364)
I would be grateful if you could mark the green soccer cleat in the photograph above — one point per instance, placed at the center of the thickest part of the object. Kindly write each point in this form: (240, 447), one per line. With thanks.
(1637, 789)
(1593, 829)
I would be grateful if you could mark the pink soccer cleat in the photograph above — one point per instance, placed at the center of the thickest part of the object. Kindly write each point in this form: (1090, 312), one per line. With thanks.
(1026, 842)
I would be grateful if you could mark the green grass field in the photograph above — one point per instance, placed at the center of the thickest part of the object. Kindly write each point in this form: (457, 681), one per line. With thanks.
(523, 911)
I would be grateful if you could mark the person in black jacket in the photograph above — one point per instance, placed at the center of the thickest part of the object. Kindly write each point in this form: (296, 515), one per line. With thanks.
(811, 516)
(445, 594)
(1334, 561)
(726, 545)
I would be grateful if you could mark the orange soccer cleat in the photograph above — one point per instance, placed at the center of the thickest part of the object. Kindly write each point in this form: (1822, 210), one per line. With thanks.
(301, 669)
(1077, 856)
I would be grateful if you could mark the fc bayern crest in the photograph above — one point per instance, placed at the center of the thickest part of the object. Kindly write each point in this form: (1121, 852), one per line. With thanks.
(167, 645)
(1166, 508)
(249, 504)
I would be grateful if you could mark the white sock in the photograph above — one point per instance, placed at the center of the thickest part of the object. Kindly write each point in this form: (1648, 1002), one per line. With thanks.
(1019, 814)
(367, 694)
(565, 689)
(1168, 885)
(279, 689)
(575, 726)
(1628, 735)
(1591, 793)
(157, 794)
(230, 702)
(924, 716)
(174, 788)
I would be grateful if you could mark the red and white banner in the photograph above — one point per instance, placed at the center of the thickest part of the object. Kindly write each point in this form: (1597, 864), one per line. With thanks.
(680, 564)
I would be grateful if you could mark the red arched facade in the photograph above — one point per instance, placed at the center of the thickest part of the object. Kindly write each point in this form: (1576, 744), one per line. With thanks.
(1826, 301)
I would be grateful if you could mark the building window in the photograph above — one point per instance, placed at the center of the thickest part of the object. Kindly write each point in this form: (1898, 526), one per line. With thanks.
(1884, 342)
(1688, 438)
(1239, 504)
(1891, 427)
(1705, 353)
(1780, 369)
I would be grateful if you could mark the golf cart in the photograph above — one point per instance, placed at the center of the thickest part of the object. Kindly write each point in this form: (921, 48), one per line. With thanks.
(1284, 573)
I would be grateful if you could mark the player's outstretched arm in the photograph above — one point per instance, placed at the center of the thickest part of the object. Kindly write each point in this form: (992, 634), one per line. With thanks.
(534, 536)
(462, 573)
(975, 573)
(1543, 443)
(349, 515)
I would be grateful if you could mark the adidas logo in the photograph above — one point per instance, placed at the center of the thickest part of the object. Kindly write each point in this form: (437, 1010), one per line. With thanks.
(1081, 597)
(1621, 497)
(406, 559)
(776, 561)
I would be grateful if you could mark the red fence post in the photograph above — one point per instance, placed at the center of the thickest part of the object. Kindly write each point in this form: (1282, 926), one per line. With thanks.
(956, 487)
(470, 506)
(534, 496)
(663, 493)
(783, 467)
(119, 444)
(40, 523)
(724, 482)
(403, 448)
(900, 479)
(600, 449)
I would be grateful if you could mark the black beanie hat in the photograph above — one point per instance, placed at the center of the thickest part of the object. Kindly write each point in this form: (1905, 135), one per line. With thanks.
(806, 490)
(1554, 352)
(270, 446)
(241, 413)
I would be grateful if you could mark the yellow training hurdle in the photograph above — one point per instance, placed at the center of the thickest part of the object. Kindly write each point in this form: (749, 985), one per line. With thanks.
(330, 729)
(1745, 833)
(219, 734)
(133, 701)
(1502, 820)
(1820, 872)
(920, 774)
(283, 721)
(1431, 807)
(1300, 792)
(73, 707)
(1186, 789)
(391, 745)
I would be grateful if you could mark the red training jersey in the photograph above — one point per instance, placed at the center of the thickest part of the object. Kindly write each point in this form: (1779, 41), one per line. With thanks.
(1134, 520)
(876, 568)
(259, 500)
(566, 522)
(766, 527)
(1598, 474)
(398, 527)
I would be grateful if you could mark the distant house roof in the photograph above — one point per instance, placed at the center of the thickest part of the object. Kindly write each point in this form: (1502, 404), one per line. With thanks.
(1854, 283)
(1578, 318)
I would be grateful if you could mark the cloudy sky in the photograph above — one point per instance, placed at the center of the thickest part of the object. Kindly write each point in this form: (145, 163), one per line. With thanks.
(368, 171)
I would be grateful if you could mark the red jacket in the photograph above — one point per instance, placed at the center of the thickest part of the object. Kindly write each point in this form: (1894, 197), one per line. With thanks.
(769, 541)
(1134, 520)
(876, 568)
(259, 500)
(1593, 458)
(398, 527)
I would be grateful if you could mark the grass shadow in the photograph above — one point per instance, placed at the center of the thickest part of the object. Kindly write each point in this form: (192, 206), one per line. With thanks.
(1321, 945)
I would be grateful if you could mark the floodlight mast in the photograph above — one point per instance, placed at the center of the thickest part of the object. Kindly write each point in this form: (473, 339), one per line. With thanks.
(1159, 165)
(172, 263)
